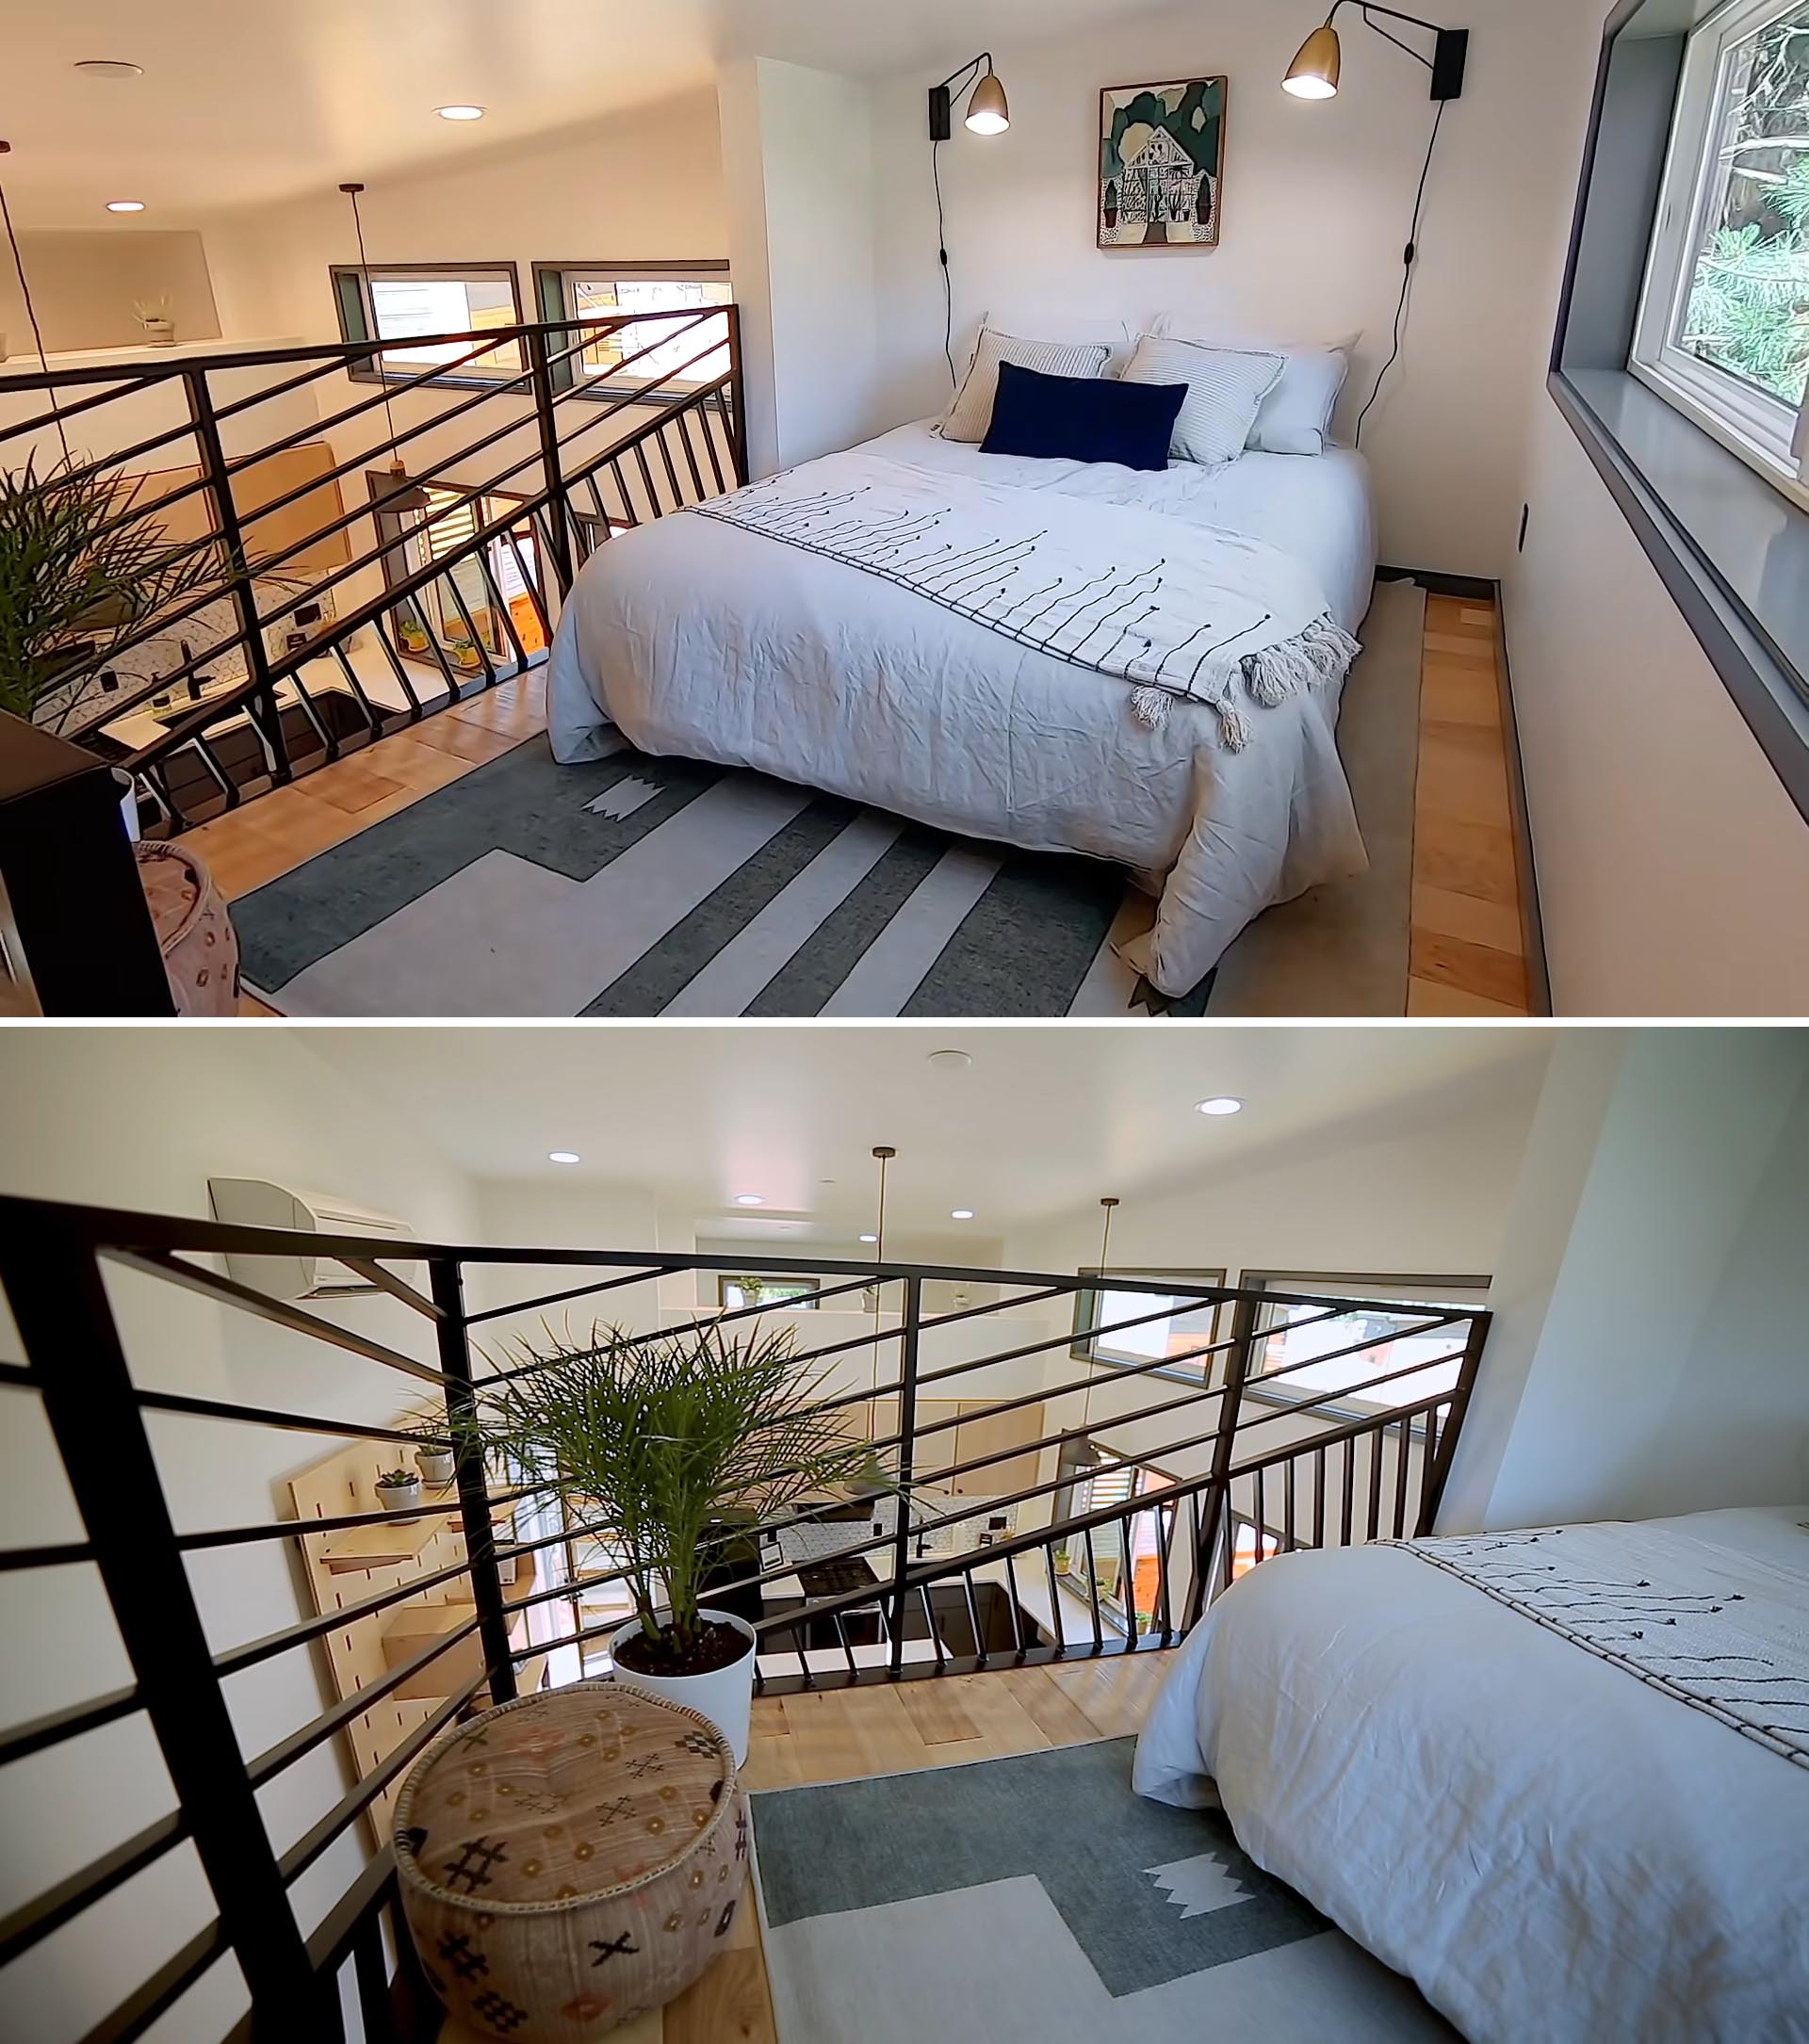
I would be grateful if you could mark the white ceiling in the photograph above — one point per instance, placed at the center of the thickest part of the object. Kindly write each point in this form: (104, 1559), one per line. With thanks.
(244, 102)
(1042, 1124)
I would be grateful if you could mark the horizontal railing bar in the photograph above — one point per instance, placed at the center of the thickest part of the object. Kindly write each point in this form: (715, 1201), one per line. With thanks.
(308, 1848)
(49, 421)
(228, 1291)
(1383, 1419)
(68, 1898)
(273, 1760)
(1376, 1423)
(331, 1941)
(51, 1557)
(686, 1328)
(374, 1274)
(37, 1733)
(559, 1298)
(171, 1980)
(295, 1423)
(299, 1529)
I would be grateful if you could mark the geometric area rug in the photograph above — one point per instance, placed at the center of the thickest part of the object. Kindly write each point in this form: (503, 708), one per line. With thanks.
(1038, 1899)
(641, 886)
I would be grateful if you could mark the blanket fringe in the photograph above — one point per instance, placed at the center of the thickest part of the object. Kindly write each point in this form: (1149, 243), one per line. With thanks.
(1313, 659)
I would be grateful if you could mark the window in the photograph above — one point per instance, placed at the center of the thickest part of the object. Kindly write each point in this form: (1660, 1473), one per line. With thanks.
(1723, 327)
(1296, 1336)
(1101, 1481)
(668, 355)
(733, 1293)
(1182, 1326)
(407, 299)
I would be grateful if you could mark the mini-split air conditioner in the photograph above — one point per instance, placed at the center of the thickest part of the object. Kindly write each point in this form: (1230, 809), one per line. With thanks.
(307, 1274)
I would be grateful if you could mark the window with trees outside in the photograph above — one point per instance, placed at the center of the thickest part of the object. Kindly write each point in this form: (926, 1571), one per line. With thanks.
(659, 354)
(1302, 1341)
(409, 299)
(1723, 327)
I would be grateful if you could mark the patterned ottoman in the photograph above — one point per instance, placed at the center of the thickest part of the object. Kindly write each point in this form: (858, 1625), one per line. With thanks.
(570, 1860)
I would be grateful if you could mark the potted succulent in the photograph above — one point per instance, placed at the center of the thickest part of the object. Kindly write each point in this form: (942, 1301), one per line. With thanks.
(677, 1443)
(436, 1462)
(464, 654)
(398, 1490)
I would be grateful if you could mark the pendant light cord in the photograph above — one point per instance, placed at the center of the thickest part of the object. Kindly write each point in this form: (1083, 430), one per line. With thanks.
(1409, 258)
(884, 1153)
(942, 255)
(31, 310)
(351, 192)
(1106, 1251)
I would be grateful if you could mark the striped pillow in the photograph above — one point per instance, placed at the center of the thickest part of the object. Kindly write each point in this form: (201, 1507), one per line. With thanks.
(1225, 387)
(972, 412)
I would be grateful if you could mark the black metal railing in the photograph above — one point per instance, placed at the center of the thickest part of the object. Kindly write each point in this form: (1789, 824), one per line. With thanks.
(311, 637)
(1114, 1528)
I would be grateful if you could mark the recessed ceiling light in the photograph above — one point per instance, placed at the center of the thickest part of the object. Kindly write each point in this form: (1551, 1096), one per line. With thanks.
(962, 1213)
(459, 113)
(749, 1199)
(949, 1061)
(870, 1238)
(1219, 1104)
(109, 67)
(563, 1157)
(125, 206)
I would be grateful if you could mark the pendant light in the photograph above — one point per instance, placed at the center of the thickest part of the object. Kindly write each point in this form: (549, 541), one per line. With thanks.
(1086, 1455)
(31, 310)
(870, 1479)
(402, 495)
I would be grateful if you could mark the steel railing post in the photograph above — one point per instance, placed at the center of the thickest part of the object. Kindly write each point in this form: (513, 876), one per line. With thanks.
(737, 389)
(474, 1489)
(908, 1363)
(559, 509)
(261, 706)
(1454, 1424)
(1237, 1370)
(61, 1307)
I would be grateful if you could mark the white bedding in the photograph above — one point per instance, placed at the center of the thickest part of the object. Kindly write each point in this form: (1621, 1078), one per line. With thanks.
(1551, 1847)
(693, 637)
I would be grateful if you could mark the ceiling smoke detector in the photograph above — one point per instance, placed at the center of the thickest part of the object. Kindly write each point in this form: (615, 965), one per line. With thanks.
(949, 1060)
(109, 67)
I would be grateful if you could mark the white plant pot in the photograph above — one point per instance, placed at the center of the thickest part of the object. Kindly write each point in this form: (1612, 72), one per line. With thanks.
(726, 1696)
(400, 1497)
(161, 332)
(435, 1469)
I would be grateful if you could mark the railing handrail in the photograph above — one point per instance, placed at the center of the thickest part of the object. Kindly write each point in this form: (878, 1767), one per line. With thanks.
(331, 352)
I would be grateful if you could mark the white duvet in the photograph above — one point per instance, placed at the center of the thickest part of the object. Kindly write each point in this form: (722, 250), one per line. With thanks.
(693, 637)
(1552, 1847)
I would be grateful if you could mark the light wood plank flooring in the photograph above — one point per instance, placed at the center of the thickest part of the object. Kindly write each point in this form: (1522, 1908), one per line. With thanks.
(843, 1735)
(1467, 952)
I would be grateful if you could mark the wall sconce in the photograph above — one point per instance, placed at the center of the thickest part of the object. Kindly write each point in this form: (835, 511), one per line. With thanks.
(1313, 73)
(988, 112)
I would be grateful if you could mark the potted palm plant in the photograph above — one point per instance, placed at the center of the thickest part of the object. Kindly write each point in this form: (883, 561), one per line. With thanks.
(673, 1443)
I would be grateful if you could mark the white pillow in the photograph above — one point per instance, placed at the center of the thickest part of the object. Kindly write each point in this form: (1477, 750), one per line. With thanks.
(972, 412)
(1051, 323)
(1225, 387)
(1296, 417)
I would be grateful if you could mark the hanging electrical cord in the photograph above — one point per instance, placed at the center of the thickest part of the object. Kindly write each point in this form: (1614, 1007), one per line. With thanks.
(884, 1152)
(351, 192)
(1409, 258)
(31, 310)
(942, 254)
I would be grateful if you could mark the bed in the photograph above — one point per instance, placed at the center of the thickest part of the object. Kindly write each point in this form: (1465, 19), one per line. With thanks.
(697, 637)
(1562, 1780)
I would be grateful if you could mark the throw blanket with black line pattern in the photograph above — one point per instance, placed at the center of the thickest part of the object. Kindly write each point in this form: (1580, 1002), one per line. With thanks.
(1177, 611)
(1724, 1632)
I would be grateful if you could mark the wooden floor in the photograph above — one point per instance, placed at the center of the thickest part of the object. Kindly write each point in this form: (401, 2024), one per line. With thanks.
(1467, 952)
(844, 1735)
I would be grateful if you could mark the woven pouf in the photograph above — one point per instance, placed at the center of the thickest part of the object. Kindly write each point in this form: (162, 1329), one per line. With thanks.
(570, 1860)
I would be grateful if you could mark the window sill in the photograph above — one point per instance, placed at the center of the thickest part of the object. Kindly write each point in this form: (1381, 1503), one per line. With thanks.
(1732, 551)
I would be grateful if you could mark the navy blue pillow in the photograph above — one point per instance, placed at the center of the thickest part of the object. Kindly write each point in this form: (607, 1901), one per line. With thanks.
(1083, 418)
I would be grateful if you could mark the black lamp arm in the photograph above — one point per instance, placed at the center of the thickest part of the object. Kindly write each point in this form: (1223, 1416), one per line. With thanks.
(943, 100)
(1450, 51)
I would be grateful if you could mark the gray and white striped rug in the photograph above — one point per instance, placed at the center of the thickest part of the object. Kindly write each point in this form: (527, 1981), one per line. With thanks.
(636, 887)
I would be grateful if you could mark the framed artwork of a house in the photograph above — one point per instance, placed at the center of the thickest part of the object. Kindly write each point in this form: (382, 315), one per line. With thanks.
(1162, 158)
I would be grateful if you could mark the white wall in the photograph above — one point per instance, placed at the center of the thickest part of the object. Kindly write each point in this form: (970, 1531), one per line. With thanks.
(1674, 868)
(1648, 1354)
(86, 282)
(1317, 201)
(140, 1119)
(798, 168)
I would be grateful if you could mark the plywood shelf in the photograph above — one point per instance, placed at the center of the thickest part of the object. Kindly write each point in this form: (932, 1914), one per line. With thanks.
(401, 1540)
